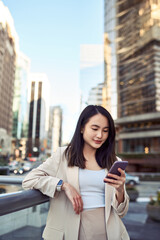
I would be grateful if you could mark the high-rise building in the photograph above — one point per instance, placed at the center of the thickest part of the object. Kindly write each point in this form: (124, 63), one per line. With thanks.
(8, 38)
(20, 102)
(96, 95)
(110, 58)
(91, 69)
(8, 49)
(20, 99)
(39, 100)
(55, 129)
(135, 27)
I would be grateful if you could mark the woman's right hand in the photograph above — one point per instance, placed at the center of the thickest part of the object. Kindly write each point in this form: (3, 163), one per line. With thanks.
(74, 197)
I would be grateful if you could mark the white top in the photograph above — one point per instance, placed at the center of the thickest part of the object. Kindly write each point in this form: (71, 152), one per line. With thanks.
(92, 188)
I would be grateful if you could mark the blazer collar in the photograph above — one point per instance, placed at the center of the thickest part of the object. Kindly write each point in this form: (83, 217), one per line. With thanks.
(108, 198)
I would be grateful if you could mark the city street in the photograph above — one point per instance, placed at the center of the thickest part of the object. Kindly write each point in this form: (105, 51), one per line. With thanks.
(139, 225)
(137, 222)
(147, 189)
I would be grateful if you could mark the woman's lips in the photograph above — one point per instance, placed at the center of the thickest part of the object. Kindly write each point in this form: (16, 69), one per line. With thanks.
(97, 141)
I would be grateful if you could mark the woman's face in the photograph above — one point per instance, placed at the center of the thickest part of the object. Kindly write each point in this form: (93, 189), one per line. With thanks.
(95, 131)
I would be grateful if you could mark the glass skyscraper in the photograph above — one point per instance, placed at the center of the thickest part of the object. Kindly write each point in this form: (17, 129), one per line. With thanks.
(132, 43)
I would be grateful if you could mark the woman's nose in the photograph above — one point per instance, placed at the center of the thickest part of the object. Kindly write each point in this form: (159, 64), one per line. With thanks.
(99, 134)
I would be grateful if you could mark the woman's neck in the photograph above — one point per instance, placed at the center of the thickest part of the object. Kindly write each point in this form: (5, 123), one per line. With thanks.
(90, 156)
(88, 152)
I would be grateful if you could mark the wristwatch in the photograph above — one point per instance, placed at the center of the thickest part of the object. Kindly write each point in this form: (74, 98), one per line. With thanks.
(59, 186)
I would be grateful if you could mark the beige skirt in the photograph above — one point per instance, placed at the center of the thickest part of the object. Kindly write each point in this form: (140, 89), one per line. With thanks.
(92, 225)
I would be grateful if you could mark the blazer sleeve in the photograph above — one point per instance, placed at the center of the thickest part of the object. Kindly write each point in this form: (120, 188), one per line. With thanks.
(121, 208)
(44, 177)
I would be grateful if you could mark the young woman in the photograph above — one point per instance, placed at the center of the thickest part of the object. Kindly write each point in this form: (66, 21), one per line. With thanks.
(82, 206)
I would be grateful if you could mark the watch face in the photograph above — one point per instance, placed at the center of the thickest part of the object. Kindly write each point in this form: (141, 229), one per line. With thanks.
(60, 183)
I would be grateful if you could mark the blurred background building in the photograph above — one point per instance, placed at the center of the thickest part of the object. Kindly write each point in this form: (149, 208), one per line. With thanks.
(110, 56)
(39, 90)
(55, 129)
(96, 95)
(20, 105)
(8, 47)
(132, 37)
(91, 69)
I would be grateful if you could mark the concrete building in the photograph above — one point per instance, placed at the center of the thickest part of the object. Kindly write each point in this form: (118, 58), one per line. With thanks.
(39, 101)
(135, 28)
(8, 48)
(5, 142)
(55, 129)
(8, 38)
(91, 69)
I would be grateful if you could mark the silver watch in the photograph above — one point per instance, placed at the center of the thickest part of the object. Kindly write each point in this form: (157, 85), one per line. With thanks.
(59, 186)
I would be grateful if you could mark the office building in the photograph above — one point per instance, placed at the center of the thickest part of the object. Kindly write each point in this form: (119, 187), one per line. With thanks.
(91, 69)
(96, 95)
(136, 32)
(110, 57)
(39, 103)
(8, 49)
(20, 103)
(55, 129)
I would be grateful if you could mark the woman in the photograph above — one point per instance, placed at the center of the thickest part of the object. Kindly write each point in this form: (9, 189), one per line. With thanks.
(82, 206)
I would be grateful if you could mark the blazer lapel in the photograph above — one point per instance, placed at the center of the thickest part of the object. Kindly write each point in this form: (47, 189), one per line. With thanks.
(73, 177)
(108, 198)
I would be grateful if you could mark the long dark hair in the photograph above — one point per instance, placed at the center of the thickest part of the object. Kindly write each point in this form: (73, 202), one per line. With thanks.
(105, 155)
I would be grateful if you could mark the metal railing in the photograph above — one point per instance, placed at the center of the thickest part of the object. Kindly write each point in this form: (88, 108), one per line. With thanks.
(12, 202)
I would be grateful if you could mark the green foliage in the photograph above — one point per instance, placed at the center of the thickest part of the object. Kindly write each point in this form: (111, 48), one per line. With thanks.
(3, 161)
(155, 202)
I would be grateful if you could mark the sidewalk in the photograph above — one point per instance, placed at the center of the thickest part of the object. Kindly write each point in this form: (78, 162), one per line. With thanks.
(139, 226)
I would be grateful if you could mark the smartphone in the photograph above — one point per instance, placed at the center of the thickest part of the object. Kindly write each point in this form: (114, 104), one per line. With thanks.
(115, 166)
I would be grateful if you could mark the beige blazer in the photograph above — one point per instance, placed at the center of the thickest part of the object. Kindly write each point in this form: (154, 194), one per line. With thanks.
(62, 222)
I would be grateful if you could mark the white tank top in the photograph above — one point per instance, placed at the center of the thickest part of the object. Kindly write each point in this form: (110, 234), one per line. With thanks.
(92, 188)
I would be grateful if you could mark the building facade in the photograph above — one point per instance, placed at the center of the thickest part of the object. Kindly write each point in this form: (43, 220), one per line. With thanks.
(20, 104)
(137, 43)
(91, 69)
(55, 129)
(8, 49)
(20, 99)
(110, 57)
(39, 103)
(96, 95)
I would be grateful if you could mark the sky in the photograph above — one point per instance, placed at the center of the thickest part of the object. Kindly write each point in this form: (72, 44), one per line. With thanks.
(50, 34)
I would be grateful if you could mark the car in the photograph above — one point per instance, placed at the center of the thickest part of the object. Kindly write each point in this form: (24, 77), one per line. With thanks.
(32, 159)
(19, 170)
(13, 165)
(131, 179)
(27, 166)
(23, 167)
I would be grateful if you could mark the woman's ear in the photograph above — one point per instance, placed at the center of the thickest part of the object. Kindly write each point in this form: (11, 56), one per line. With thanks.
(82, 130)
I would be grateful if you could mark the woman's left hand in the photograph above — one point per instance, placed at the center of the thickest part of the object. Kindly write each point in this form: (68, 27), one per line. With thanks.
(118, 183)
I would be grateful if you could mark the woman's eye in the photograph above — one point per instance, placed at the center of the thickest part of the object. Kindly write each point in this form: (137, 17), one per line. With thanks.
(105, 130)
(94, 129)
